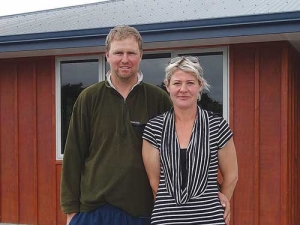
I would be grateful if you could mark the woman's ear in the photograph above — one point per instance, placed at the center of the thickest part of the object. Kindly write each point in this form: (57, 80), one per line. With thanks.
(167, 85)
(201, 85)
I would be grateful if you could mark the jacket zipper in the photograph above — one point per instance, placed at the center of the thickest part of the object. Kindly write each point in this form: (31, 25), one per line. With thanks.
(125, 111)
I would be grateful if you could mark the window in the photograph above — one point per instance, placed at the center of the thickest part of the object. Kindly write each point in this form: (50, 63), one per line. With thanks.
(153, 68)
(214, 64)
(215, 67)
(73, 75)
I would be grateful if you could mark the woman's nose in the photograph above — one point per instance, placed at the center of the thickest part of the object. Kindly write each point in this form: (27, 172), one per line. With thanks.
(183, 88)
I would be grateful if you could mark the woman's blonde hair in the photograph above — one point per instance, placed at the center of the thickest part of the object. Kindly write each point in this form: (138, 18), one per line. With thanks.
(189, 64)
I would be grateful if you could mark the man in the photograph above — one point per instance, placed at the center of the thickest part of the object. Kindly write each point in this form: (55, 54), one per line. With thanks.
(103, 176)
(103, 170)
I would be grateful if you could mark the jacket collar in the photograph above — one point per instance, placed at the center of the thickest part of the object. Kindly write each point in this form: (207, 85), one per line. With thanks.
(110, 84)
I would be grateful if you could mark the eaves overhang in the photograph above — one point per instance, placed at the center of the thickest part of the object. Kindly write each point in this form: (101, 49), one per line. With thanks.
(253, 25)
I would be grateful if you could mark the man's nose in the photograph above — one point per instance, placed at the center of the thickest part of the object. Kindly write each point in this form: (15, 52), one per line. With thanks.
(125, 58)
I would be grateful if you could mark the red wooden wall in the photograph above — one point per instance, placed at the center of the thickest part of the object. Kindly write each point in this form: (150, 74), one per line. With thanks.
(27, 131)
(264, 114)
(264, 110)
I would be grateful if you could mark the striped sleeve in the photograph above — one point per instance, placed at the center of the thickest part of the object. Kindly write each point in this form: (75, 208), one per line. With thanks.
(153, 130)
(224, 133)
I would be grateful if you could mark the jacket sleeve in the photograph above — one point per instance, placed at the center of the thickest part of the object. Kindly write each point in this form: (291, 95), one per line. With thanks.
(166, 101)
(76, 148)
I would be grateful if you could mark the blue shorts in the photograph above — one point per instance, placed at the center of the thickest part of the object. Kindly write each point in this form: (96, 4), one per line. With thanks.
(107, 215)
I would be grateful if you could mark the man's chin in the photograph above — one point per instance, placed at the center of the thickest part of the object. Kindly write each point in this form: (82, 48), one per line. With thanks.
(125, 75)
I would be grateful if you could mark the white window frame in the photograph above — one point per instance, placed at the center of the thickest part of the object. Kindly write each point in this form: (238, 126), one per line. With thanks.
(101, 59)
(226, 87)
(58, 60)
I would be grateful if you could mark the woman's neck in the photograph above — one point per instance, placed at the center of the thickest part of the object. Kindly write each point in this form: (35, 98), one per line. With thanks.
(185, 115)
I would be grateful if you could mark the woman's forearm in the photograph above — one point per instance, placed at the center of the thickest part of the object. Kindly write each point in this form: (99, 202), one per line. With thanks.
(228, 185)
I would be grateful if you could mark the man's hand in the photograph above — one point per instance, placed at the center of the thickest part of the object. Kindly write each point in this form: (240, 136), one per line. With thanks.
(69, 217)
(226, 204)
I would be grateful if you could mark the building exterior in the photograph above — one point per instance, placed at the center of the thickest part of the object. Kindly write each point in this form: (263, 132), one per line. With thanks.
(250, 54)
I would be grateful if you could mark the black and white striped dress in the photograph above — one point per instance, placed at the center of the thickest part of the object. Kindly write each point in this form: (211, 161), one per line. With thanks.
(203, 207)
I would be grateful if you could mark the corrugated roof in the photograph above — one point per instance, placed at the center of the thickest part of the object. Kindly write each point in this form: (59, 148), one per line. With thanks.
(134, 12)
(79, 29)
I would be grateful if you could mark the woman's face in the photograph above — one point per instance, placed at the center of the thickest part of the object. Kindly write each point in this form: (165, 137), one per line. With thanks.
(184, 88)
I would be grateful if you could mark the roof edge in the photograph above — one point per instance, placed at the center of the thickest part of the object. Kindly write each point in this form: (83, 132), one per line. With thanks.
(287, 22)
(56, 9)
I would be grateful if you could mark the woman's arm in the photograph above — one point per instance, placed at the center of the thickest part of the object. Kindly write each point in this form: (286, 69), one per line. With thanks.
(152, 165)
(229, 168)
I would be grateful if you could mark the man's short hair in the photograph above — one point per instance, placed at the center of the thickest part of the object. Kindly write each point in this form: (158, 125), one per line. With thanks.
(121, 32)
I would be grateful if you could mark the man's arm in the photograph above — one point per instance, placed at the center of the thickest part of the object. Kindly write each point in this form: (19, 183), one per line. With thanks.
(73, 161)
(69, 217)
(152, 165)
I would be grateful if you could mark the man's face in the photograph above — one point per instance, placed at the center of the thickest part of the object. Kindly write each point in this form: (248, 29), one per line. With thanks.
(124, 57)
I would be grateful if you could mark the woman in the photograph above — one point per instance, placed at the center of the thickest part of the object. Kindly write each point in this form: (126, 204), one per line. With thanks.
(183, 150)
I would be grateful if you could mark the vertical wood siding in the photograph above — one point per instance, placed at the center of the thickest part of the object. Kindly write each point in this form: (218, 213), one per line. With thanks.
(9, 144)
(27, 141)
(243, 115)
(264, 115)
(293, 137)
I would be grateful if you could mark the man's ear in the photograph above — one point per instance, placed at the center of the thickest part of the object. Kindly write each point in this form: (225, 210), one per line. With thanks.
(141, 54)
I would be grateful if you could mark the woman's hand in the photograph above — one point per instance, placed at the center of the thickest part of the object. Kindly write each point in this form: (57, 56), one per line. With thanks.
(226, 204)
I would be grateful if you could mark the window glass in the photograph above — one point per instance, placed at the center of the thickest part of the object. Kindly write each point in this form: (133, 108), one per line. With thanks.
(212, 64)
(75, 76)
(153, 68)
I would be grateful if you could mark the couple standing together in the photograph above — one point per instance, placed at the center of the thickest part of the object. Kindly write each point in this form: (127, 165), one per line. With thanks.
(135, 155)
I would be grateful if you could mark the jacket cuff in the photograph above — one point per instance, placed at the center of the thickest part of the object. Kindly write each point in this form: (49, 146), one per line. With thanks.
(70, 208)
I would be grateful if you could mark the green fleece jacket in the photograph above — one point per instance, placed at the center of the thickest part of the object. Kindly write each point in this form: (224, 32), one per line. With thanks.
(103, 158)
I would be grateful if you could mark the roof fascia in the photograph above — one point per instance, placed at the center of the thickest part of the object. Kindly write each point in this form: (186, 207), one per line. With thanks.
(276, 23)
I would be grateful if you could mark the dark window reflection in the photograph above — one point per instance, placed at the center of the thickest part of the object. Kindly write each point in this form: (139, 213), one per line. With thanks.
(75, 76)
(153, 67)
(212, 64)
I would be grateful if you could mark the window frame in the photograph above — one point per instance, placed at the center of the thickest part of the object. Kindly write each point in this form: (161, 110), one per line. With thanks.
(102, 74)
(226, 88)
(58, 60)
